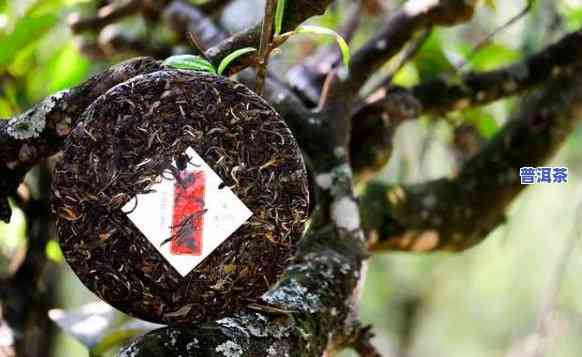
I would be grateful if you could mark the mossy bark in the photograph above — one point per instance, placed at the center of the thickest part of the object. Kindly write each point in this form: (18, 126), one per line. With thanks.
(457, 213)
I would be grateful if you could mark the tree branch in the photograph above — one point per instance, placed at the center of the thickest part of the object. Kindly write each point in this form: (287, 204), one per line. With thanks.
(40, 132)
(400, 27)
(455, 214)
(265, 44)
(296, 12)
(184, 18)
(308, 76)
(26, 295)
(106, 15)
(441, 95)
(377, 119)
(293, 318)
(414, 15)
(308, 310)
(315, 295)
(298, 314)
(113, 41)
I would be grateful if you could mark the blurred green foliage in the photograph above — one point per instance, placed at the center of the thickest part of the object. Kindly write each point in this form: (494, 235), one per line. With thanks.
(37, 54)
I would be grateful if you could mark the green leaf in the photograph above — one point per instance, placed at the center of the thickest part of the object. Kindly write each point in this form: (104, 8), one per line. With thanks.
(487, 126)
(431, 60)
(189, 62)
(343, 45)
(483, 120)
(53, 252)
(123, 334)
(68, 68)
(490, 4)
(279, 13)
(233, 56)
(491, 56)
(116, 338)
(407, 76)
(573, 16)
(26, 31)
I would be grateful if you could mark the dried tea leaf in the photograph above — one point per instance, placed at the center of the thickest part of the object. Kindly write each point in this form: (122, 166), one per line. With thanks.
(129, 140)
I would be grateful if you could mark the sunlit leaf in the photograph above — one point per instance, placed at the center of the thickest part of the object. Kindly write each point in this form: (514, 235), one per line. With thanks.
(407, 76)
(189, 62)
(27, 30)
(5, 109)
(431, 60)
(490, 4)
(483, 121)
(331, 18)
(123, 334)
(10, 95)
(232, 57)
(53, 252)
(492, 56)
(68, 69)
(343, 45)
(487, 126)
(12, 245)
(573, 16)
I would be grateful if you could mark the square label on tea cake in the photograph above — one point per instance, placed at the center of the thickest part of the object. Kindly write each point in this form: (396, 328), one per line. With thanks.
(189, 216)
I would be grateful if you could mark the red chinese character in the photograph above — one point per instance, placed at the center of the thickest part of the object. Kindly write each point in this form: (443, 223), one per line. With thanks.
(188, 216)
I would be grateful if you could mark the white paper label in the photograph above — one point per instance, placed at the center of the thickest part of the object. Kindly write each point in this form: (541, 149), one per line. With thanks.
(187, 219)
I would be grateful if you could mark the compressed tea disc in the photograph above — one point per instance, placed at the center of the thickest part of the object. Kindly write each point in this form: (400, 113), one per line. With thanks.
(180, 197)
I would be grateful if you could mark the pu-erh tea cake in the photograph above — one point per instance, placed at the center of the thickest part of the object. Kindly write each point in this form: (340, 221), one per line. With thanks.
(180, 197)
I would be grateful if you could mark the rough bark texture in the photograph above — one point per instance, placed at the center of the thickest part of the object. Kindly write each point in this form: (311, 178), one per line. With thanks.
(293, 319)
(376, 120)
(295, 13)
(40, 132)
(457, 213)
(307, 312)
(27, 295)
(128, 138)
(400, 27)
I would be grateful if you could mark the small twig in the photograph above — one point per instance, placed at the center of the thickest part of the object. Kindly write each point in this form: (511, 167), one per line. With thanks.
(297, 11)
(408, 54)
(352, 20)
(113, 41)
(197, 43)
(265, 44)
(362, 343)
(327, 90)
(105, 16)
(489, 37)
(309, 75)
(187, 20)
